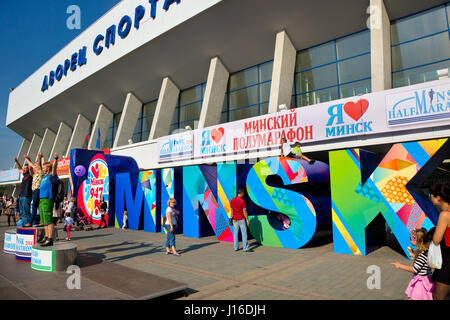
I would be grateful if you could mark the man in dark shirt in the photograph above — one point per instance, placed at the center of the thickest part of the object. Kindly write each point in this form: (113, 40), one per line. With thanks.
(238, 219)
(25, 195)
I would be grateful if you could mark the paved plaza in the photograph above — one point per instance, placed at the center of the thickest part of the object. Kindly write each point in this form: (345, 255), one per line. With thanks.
(212, 270)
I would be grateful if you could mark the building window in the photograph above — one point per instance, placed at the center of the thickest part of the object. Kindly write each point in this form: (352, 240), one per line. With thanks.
(248, 93)
(187, 111)
(112, 131)
(336, 69)
(144, 122)
(420, 46)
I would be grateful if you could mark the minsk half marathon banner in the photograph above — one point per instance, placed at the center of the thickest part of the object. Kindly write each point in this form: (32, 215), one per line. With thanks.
(9, 175)
(419, 106)
(175, 147)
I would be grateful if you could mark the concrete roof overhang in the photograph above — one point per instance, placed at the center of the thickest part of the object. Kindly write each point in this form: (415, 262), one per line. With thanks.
(240, 33)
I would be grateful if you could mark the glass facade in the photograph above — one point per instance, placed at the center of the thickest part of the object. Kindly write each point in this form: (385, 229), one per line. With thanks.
(420, 46)
(111, 135)
(187, 111)
(144, 122)
(337, 69)
(248, 93)
(333, 70)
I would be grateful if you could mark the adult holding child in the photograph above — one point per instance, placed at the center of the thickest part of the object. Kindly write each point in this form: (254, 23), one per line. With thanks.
(46, 201)
(440, 197)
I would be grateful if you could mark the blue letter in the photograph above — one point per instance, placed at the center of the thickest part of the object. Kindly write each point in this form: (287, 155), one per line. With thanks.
(45, 84)
(82, 56)
(126, 20)
(51, 80)
(110, 36)
(66, 66)
(168, 3)
(59, 72)
(337, 115)
(138, 15)
(153, 8)
(73, 62)
(133, 205)
(98, 49)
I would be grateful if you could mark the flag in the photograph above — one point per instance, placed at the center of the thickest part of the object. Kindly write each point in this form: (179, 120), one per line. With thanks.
(86, 142)
(97, 144)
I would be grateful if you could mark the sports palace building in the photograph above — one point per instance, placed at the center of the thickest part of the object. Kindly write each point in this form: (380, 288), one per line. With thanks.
(172, 83)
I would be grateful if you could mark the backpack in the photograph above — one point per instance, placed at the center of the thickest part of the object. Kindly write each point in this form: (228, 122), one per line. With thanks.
(58, 191)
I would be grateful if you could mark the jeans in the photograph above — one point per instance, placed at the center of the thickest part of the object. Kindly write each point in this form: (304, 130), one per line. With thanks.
(240, 224)
(24, 209)
(35, 206)
(170, 242)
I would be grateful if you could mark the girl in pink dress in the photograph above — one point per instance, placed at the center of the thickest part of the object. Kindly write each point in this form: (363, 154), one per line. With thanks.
(420, 287)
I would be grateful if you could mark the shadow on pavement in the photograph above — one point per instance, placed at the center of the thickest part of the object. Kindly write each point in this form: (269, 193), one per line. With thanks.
(196, 246)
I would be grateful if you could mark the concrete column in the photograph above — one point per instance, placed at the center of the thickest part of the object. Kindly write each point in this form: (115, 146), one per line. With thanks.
(15, 193)
(79, 133)
(62, 139)
(23, 150)
(380, 46)
(165, 108)
(34, 147)
(47, 143)
(128, 119)
(216, 87)
(283, 72)
(102, 122)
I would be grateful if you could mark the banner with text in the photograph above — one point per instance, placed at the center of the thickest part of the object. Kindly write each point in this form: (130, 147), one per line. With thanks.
(400, 109)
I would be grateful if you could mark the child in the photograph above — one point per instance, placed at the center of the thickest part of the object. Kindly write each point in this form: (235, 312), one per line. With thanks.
(125, 219)
(68, 222)
(420, 287)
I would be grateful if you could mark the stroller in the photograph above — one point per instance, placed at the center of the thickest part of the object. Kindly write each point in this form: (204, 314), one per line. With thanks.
(82, 221)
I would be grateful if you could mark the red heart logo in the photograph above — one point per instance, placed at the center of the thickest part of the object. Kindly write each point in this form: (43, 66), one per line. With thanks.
(217, 134)
(95, 171)
(356, 110)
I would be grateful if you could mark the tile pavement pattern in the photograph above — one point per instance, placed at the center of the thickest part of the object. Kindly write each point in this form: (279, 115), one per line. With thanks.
(213, 271)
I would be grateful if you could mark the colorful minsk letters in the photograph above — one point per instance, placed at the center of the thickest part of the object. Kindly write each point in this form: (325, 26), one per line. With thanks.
(288, 200)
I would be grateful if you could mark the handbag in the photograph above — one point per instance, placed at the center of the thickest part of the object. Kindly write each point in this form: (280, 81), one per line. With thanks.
(434, 256)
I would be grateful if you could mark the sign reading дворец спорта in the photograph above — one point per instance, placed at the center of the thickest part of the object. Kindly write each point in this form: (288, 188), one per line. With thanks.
(124, 27)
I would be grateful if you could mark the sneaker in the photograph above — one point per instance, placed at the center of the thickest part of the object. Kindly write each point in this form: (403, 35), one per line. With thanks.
(176, 254)
(248, 250)
(167, 253)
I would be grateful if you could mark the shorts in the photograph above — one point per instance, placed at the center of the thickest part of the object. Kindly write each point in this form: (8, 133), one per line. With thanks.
(46, 211)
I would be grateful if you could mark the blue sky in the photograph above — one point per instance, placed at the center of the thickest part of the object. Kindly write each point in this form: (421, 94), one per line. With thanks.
(32, 32)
